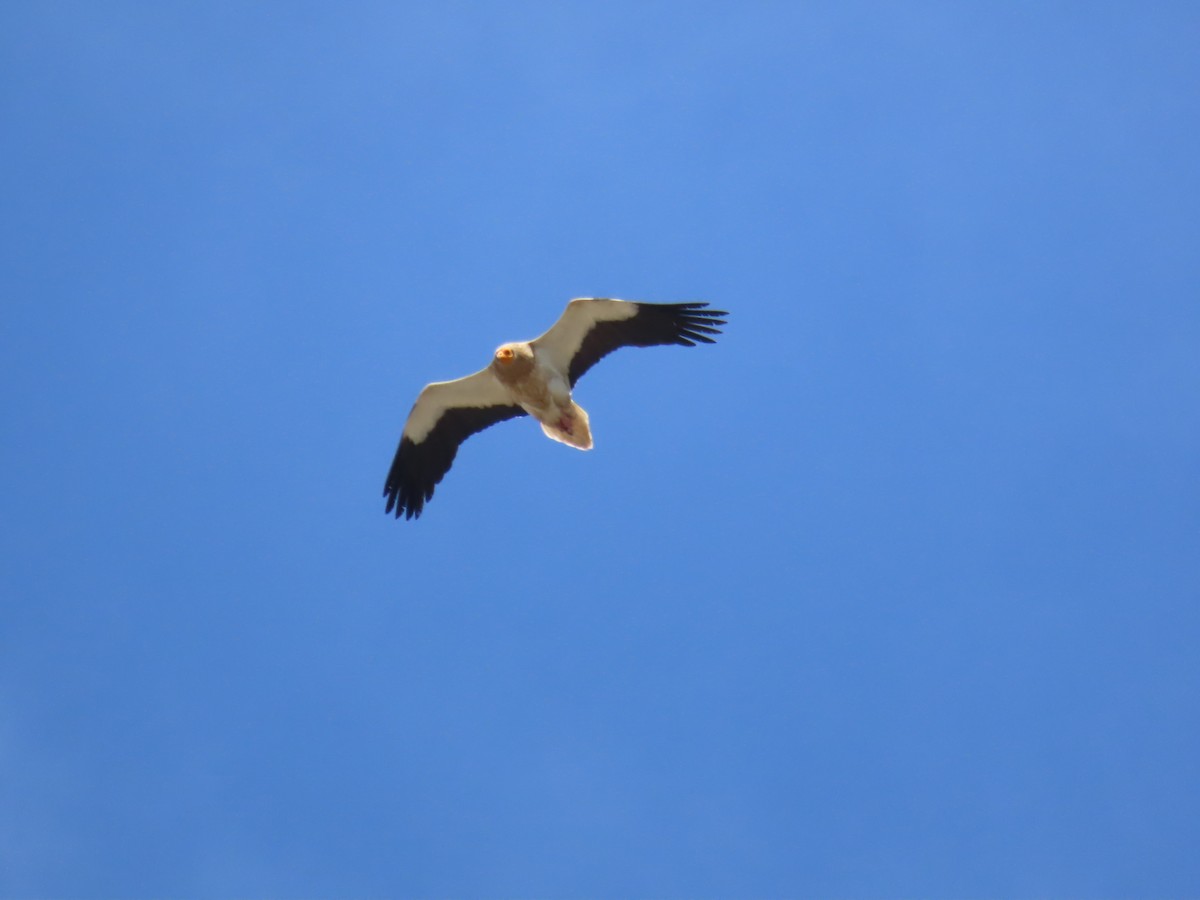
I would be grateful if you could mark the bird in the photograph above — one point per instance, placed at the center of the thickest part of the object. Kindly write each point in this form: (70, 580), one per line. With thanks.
(534, 378)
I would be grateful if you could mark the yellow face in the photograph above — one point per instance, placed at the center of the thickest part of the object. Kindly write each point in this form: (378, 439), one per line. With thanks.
(504, 355)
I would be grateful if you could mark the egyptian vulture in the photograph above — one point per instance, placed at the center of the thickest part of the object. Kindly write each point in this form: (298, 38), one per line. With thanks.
(532, 378)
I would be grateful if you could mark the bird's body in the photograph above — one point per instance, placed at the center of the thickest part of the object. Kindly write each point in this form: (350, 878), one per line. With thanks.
(533, 378)
(540, 388)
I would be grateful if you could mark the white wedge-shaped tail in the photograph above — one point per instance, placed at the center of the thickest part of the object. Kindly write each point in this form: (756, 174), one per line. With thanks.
(572, 428)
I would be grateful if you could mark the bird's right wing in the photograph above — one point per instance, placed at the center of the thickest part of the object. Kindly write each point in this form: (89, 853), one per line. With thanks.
(592, 327)
(446, 414)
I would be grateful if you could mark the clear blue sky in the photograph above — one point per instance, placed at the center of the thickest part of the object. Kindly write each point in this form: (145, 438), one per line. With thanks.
(894, 592)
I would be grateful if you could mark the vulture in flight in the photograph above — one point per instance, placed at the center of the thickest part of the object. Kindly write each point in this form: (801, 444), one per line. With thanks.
(532, 378)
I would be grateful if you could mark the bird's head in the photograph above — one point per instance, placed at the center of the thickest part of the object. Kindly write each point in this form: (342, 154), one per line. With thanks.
(517, 353)
(513, 362)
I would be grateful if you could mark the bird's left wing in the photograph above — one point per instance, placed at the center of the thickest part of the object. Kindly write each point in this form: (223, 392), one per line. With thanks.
(446, 414)
(592, 327)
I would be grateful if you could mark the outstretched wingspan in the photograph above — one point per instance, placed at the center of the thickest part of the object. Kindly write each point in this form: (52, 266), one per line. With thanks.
(446, 414)
(593, 327)
(534, 378)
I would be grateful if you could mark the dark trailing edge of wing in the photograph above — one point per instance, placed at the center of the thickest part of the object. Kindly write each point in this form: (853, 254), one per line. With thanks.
(653, 324)
(418, 467)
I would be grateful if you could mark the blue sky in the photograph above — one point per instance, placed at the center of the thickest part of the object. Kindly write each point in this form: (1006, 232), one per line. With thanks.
(892, 592)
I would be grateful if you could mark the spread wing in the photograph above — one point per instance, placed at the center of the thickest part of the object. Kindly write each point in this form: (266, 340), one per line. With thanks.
(593, 327)
(446, 414)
